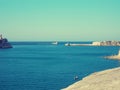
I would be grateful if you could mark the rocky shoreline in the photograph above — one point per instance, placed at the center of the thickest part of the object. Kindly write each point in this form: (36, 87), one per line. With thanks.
(114, 56)
(104, 80)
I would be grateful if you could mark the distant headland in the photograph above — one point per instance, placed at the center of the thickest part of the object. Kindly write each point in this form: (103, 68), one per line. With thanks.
(4, 43)
(96, 43)
(106, 43)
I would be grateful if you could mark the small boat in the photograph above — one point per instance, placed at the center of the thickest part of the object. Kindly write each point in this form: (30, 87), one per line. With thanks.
(76, 77)
(55, 43)
(67, 44)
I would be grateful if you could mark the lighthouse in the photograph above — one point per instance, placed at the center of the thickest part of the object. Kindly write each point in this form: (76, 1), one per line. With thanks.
(119, 53)
(1, 37)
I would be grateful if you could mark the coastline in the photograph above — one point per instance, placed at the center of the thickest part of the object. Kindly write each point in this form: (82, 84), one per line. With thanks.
(103, 80)
(113, 57)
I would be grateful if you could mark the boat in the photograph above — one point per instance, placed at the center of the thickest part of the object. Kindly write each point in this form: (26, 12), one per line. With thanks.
(55, 43)
(67, 44)
(76, 77)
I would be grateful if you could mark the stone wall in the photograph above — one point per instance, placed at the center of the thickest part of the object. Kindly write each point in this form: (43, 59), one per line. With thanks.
(106, 43)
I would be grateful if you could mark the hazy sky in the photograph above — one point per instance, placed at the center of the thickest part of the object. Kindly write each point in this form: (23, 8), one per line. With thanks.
(60, 20)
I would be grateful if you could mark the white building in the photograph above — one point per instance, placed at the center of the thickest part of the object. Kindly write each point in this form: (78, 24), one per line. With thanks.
(96, 43)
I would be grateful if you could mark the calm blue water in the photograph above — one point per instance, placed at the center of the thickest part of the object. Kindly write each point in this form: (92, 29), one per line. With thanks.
(43, 66)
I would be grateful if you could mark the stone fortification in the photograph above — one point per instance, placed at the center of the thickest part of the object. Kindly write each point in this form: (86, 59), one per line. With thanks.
(4, 43)
(106, 43)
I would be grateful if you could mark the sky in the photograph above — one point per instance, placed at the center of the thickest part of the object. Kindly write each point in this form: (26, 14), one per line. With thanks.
(60, 20)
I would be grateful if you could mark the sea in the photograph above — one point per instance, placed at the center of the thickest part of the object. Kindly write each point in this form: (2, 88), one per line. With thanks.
(45, 66)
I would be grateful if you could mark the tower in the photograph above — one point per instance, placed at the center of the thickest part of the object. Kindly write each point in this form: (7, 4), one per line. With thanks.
(119, 53)
(1, 37)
